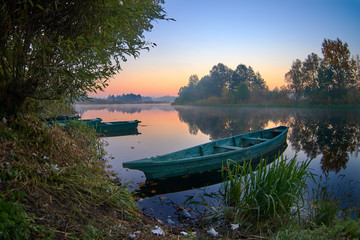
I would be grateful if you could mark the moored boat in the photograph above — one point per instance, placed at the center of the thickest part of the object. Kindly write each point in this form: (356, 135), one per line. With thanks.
(160, 186)
(212, 155)
(117, 128)
(119, 125)
(91, 122)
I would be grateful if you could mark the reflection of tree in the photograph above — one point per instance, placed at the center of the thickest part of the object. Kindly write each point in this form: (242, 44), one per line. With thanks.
(124, 108)
(225, 122)
(334, 134)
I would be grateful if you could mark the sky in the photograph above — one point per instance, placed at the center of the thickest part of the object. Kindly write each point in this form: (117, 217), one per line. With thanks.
(266, 35)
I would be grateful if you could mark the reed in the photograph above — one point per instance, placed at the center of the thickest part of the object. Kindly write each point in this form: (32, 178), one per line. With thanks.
(324, 207)
(255, 194)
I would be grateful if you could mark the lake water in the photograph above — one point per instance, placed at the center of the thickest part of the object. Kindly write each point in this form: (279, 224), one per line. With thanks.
(330, 137)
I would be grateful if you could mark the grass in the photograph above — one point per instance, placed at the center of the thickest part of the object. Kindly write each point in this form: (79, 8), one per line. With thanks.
(55, 183)
(348, 229)
(264, 192)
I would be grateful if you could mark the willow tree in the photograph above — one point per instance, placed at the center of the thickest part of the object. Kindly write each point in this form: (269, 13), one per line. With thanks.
(54, 48)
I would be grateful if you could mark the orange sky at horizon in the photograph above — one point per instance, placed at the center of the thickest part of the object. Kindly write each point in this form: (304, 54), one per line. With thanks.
(162, 82)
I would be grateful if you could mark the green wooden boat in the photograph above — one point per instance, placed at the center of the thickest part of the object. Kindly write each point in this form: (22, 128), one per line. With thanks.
(116, 126)
(212, 155)
(160, 186)
(91, 122)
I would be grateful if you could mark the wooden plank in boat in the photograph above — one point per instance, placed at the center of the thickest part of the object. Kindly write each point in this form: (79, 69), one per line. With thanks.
(259, 139)
(228, 147)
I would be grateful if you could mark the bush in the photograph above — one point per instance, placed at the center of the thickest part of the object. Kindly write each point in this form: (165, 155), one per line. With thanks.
(15, 223)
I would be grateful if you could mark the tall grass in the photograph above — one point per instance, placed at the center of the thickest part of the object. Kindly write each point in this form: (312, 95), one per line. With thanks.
(264, 192)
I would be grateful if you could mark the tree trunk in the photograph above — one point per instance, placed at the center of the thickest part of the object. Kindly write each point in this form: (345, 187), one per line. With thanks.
(11, 102)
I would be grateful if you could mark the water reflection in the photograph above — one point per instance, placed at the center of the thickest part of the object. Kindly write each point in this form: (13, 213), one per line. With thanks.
(334, 135)
(123, 108)
(120, 132)
(224, 122)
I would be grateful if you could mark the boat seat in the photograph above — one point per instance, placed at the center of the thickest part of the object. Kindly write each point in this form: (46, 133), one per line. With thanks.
(259, 139)
(228, 147)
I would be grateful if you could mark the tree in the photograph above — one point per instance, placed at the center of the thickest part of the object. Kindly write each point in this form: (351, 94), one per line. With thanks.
(333, 79)
(337, 60)
(259, 82)
(295, 81)
(57, 48)
(193, 80)
(238, 77)
(221, 77)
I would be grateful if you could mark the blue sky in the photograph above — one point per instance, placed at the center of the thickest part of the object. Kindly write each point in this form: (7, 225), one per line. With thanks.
(266, 35)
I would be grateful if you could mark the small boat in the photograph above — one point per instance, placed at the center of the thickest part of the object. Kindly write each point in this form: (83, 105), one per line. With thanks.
(100, 126)
(119, 125)
(152, 187)
(212, 155)
(92, 122)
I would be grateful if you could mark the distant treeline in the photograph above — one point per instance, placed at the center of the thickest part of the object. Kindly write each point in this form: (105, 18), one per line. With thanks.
(129, 98)
(333, 79)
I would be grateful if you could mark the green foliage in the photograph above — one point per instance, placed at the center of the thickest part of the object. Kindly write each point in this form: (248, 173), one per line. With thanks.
(264, 192)
(15, 223)
(52, 49)
(229, 86)
(334, 79)
(92, 233)
(348, 229)
(49, 108)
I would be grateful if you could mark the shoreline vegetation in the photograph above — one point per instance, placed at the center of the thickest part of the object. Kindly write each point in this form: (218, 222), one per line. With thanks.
(211, 103)
(205, 103)
(55, 184)
(127, 99)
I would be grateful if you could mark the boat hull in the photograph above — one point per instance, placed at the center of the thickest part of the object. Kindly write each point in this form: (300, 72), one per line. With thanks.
(107, 128)
(213, 155)
(113, 126)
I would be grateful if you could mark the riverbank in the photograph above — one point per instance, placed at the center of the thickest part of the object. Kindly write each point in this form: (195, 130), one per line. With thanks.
(55, 184)
(208, 103)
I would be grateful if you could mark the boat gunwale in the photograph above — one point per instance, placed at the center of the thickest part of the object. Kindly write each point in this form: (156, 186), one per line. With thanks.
(120, 122)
